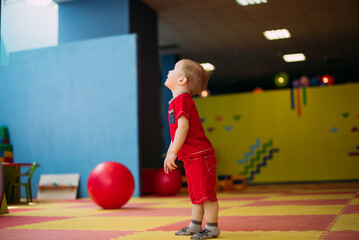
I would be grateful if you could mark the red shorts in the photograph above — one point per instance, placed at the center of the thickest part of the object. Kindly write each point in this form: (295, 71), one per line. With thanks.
(201, 177)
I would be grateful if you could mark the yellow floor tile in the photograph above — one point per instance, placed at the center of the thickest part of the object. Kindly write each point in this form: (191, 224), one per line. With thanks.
(157, 235)
(273, 235)
(65, 212)
(354, 201)
(105, 223)
(244, 195)
(45, 205)
(155, 200)
(188, 204)
(173, 204)
(282, 210)
(264, 190)
(311, 197)
(347, 222)
(324, 190)
(233, 203)
(256, 235)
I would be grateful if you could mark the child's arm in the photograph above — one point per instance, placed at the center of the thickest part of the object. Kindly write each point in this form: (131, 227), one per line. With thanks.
(179, 139)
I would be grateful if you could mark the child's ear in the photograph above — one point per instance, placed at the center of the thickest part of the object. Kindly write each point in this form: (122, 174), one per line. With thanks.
(183, 80)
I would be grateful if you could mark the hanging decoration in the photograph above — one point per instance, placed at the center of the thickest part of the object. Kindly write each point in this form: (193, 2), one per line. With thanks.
(281, 79)
(327, 80)
(304, 81)
(314, 81)
(296, 83)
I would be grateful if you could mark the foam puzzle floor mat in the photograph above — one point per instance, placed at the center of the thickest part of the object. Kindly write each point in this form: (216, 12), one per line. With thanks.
(272, 212)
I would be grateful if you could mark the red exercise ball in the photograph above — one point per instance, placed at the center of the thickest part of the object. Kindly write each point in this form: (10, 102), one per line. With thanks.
(168, 184)
(110, 185)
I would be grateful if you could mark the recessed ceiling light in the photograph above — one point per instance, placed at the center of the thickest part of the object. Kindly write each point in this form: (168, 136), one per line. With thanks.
(296, 57)
(277, 34)
(208, 66)
(250, 2)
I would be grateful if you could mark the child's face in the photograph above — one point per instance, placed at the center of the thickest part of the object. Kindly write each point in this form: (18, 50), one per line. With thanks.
(174, 76)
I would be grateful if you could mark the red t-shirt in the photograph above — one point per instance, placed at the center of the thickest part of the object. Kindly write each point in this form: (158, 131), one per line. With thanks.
(196, 143)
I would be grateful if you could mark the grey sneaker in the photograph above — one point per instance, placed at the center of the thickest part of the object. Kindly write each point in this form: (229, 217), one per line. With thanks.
(186, 231)
(205, 234)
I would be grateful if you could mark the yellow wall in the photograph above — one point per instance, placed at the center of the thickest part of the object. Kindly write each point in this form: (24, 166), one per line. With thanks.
(303, 141)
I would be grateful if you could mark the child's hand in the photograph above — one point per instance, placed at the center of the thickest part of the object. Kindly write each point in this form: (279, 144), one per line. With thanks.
(169, 163)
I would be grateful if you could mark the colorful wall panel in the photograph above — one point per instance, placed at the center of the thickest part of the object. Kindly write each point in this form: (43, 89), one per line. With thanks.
(306, 134)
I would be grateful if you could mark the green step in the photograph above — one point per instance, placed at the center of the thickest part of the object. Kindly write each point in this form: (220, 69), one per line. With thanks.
(4, 134)
(6, 147)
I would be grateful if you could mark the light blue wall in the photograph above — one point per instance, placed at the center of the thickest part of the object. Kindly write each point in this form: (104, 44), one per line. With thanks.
(4, 57)
(73, 106)
(79, 20)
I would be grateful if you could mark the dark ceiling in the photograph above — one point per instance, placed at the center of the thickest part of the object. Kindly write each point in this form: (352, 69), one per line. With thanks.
(230, 37)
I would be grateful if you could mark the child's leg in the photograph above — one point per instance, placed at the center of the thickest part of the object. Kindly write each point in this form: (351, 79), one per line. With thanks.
(211, 211)
(201, 181)
(197, 212)
(197, 217)
(196, 222)
(211, 230)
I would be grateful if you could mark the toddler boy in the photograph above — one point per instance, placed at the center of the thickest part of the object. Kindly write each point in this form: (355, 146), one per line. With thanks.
(190, 144)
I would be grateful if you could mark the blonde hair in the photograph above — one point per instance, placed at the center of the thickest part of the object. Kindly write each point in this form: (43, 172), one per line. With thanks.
(197, 77)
